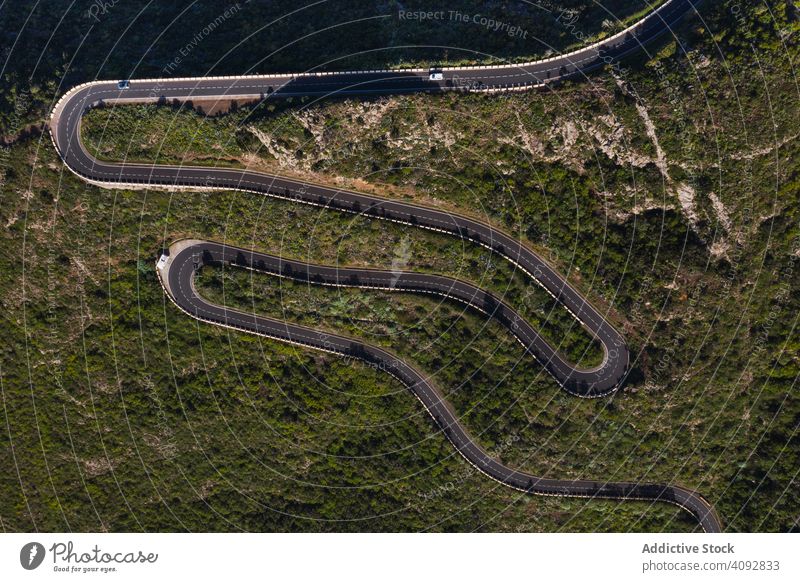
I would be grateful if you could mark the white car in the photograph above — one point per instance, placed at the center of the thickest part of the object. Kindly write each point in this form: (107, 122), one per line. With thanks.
(435, 76)
(124, 85)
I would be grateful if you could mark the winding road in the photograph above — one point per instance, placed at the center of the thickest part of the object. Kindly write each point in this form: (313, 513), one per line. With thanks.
(178, 266)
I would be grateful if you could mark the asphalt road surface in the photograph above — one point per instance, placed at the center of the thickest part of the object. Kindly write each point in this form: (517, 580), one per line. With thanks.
(177, 270)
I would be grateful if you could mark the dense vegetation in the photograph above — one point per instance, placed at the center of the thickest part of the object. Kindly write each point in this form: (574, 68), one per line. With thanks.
(669, 194)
